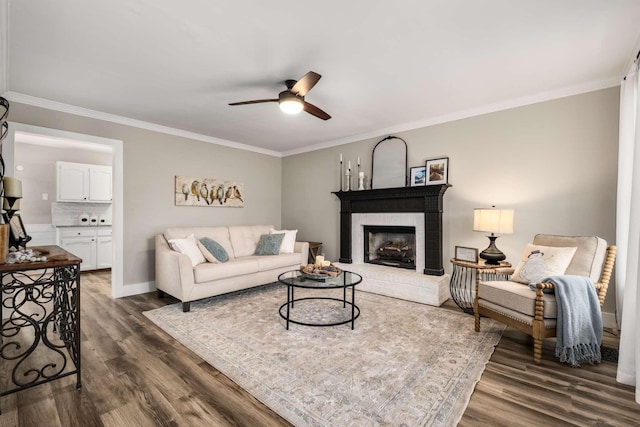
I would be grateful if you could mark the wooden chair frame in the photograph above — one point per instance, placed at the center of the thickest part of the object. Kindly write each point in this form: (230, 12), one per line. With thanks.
(537, 330)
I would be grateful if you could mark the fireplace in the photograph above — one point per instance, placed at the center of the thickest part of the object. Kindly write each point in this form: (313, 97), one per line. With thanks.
(418, 209)
(425, 201)
(393, 246)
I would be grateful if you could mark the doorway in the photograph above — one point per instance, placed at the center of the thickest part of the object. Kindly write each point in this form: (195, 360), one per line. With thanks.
(8, 152)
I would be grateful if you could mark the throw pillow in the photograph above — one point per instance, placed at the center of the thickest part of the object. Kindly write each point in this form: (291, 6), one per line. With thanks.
(540, 262)
(213, 251)
(269, 244)
(189, 247)
(289, 240)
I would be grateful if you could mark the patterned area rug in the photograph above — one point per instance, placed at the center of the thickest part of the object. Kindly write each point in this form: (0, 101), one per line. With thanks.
(405, 364)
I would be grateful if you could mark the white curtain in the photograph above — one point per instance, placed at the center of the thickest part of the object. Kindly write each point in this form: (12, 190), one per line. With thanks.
(628, 232)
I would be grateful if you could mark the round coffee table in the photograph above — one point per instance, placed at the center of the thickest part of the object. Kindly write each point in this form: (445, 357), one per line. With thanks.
(296, 279)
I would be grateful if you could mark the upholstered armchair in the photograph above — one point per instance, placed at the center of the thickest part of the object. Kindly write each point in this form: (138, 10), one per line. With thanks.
(534, 312)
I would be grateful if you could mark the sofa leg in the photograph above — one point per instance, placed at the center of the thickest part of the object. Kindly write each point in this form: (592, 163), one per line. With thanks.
(477, 321)
(160, 293)
(186, 306)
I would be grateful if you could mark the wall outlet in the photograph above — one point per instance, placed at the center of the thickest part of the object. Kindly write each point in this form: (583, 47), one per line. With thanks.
(45, 196)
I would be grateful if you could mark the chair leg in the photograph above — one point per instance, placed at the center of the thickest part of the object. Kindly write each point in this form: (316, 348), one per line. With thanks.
(477, 317)
(537, 350)
(186, 306)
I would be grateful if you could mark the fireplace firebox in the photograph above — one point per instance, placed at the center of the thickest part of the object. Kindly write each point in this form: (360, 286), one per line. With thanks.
(392, 246)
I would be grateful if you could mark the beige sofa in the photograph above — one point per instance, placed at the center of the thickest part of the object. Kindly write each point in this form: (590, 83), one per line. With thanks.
(176, 276)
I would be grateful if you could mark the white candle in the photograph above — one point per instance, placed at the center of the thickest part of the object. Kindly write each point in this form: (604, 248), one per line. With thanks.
(319, 260)
(340, 157)
(349, 164)
(12, 187)
(360, 174)
(326, 263)
(358, 160)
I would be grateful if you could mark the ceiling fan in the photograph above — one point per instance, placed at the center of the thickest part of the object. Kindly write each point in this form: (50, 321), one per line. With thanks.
(292, 100)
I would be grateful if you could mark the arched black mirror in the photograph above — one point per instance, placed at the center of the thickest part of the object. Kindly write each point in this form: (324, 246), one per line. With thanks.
(389, 167)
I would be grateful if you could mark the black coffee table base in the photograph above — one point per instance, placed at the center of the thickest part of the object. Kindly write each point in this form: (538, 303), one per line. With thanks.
(288, 306)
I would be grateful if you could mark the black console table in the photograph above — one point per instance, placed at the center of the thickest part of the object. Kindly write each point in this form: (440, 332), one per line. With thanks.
(40, 314)
(426, 199)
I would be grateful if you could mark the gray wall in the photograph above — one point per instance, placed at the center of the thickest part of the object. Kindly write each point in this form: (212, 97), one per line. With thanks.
(554, 162)
(151, 161)
(39, 176)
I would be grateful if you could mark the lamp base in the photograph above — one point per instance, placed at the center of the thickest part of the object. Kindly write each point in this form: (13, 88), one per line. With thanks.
(492, 255)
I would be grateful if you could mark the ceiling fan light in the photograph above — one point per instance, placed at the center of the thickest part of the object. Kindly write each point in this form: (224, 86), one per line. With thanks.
(291, 105)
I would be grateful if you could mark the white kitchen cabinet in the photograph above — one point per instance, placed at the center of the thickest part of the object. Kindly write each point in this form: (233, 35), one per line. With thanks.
(104, 248)
(93, 244)
(79, 182)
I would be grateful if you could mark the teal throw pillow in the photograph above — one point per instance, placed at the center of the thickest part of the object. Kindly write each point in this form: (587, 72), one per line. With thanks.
(269, 244)
(215, 249)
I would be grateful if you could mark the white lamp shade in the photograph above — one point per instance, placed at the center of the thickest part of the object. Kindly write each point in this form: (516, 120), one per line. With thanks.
(12, 187)
(493, 220)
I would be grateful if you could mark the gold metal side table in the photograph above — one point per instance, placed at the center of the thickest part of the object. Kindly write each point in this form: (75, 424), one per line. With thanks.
(463, 280)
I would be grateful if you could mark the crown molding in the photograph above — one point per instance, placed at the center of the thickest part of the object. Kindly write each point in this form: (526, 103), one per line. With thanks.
(486, 109)
(93, 114)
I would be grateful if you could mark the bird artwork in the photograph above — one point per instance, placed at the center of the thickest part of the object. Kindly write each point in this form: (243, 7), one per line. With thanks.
(213, 194)
(221, 194)
(230, 194)
(237, 194)
(204, 192)
(186, 190)
(195, 189)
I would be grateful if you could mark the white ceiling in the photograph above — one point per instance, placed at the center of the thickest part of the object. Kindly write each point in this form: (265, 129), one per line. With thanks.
(385, 66)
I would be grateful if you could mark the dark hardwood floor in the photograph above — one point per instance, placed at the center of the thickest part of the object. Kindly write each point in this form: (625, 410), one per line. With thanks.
(133, 374)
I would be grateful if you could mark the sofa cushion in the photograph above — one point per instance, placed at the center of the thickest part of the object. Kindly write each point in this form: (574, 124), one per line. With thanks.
(189, 247)
(289, 241)
(212, 250)
(269, 244)
(235, 267)
(219, 234)
(268, 262)
(539, 262)
(244, 238)
(517, 297)
(589, 257)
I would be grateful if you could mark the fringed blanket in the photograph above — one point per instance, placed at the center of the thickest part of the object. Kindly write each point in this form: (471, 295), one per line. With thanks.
(579, 321)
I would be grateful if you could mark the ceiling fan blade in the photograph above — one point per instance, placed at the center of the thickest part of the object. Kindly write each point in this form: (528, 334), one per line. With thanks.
(315, 111)
(256, 101)
(305, 84)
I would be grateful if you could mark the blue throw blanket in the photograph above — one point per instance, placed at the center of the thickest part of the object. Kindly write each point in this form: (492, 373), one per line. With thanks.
(579, 321)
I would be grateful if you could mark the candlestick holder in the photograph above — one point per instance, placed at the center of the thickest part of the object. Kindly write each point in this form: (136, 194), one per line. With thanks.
(348, 175)
(340, 177)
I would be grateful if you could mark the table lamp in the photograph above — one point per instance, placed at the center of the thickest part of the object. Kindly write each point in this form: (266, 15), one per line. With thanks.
(492, 220)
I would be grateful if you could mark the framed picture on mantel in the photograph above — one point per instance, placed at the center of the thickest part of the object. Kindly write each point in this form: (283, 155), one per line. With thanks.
(437, 171)
(417, 176)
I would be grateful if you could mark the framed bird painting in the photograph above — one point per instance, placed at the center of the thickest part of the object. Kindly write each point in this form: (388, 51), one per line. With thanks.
(210, 192)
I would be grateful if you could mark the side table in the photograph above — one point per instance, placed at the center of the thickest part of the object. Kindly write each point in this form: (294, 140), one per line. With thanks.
(463, 280)
(40, 320)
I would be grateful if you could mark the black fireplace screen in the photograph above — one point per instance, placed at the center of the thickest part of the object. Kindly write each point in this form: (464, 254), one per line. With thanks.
(390, 245)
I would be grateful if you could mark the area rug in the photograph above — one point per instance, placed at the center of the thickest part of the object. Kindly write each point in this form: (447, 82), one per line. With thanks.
(404, 364)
